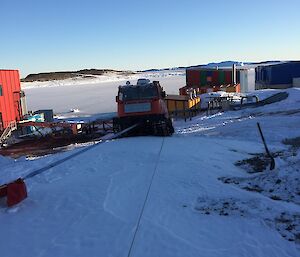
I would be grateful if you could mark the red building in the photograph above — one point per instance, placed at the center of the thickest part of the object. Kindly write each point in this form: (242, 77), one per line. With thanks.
(12, 101)
(205, 79)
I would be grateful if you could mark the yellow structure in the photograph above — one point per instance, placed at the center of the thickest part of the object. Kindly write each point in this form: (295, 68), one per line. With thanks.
(181, 103)
(233, 88)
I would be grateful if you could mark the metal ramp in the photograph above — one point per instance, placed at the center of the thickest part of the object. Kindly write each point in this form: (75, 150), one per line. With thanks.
(7, 132)
(269, 100)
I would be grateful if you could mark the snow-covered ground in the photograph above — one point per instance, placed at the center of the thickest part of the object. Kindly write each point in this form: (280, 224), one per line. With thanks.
(203, 199)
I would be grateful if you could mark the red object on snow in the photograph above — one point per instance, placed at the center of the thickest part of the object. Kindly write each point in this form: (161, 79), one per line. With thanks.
(16, 192)
(3, 191)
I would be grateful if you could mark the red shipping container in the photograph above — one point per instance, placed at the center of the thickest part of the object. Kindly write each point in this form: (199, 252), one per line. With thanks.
(193, 78)
(228, 77)
(10, 104)
(215, 78)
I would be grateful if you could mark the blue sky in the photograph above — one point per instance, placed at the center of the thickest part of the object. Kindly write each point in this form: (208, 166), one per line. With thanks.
(53, 35)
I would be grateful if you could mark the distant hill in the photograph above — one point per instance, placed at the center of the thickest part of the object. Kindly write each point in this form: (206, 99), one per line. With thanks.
(88, 73)
(60, 75)
(212, 64)
(223, 64)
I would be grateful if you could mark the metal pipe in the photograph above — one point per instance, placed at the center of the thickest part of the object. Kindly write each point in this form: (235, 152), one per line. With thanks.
(233, 74)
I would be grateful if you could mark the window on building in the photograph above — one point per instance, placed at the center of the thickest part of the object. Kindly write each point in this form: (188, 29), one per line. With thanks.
(1, 93)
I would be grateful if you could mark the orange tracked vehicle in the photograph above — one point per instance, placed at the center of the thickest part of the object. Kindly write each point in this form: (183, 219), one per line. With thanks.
(143, 104)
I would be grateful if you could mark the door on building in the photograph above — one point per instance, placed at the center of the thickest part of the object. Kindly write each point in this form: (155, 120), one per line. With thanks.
(17, 104)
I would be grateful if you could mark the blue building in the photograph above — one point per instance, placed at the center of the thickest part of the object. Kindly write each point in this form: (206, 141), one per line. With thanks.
(282, 75)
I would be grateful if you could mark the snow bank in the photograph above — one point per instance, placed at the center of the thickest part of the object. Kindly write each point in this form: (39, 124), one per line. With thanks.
(90, 205)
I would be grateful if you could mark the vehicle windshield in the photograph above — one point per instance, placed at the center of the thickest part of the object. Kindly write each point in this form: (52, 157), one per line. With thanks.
(138, 92)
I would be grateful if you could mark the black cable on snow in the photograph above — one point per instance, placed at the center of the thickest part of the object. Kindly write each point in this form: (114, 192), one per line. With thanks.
(146, 199)
(56, 163)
